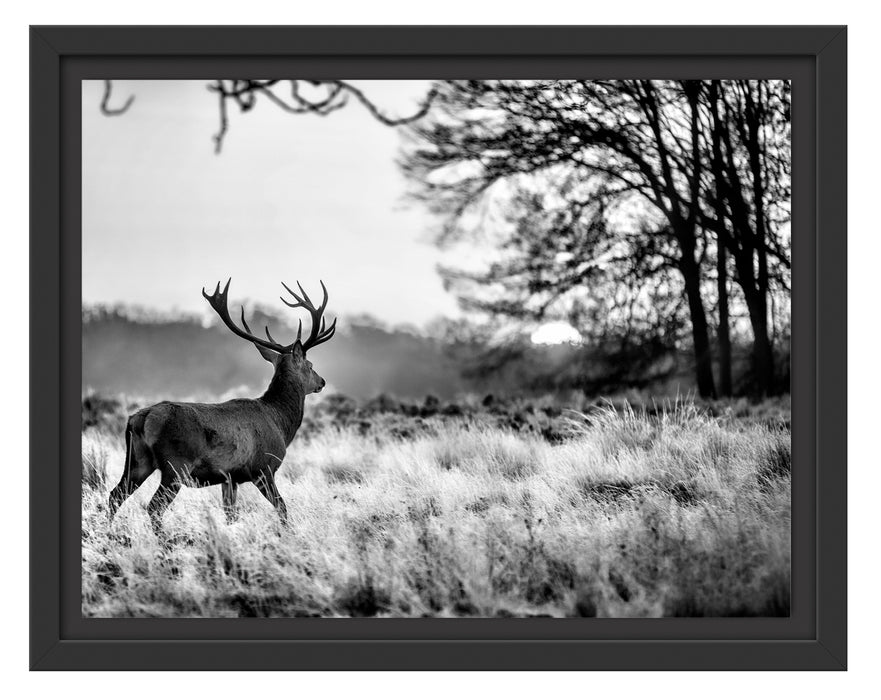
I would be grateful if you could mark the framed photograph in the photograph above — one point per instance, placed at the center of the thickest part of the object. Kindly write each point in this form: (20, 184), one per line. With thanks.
(438, 348)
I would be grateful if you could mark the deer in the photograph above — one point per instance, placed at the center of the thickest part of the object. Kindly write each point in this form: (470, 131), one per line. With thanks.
(231, 443)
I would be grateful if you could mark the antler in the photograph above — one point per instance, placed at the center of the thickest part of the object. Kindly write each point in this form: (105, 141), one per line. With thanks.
(218, 301)
(320, 333)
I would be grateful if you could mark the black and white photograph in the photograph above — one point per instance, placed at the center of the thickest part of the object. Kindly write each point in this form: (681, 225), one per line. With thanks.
(450, 348)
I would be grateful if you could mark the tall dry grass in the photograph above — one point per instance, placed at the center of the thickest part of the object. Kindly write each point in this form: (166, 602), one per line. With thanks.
(676, 513)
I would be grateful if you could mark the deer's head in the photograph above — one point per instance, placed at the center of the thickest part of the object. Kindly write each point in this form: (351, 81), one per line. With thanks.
(294, 364)
(289, 360)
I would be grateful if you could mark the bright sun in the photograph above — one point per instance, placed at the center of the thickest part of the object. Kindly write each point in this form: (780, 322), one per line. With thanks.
(554, 333)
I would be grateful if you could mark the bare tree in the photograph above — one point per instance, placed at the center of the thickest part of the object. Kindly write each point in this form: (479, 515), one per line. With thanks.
(330, 96)
(624, 147)
(751, 191)
(624, 182)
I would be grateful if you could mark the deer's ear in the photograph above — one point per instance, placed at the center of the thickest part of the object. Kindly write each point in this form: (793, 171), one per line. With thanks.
(268, 354)
(298, 352)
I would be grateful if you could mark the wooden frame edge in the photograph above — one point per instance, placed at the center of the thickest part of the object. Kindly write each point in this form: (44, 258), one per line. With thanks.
(48, 47)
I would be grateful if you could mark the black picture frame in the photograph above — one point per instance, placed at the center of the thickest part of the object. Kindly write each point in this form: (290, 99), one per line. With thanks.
(813, 57)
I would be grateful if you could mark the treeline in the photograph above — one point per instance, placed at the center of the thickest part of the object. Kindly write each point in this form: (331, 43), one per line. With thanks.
(157, 357)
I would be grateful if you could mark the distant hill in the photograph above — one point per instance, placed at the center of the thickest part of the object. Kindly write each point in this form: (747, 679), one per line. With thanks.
(179, 358)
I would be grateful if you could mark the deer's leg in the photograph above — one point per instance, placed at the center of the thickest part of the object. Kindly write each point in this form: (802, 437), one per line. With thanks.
(138, 466)
(165, 494)
(230, 489)
(266, 483)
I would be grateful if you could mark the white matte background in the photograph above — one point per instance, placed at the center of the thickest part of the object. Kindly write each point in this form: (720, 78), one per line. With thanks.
(864, 336)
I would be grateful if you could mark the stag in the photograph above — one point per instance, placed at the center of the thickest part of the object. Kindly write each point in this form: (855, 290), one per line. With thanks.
(231, 443)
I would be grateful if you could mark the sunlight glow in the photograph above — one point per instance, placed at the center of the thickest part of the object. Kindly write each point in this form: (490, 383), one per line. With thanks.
(554, 333)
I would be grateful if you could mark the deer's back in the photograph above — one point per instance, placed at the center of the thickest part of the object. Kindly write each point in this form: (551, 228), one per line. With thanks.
(232, 436)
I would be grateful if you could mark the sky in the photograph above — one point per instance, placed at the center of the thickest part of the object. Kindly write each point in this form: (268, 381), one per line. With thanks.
(291, 197)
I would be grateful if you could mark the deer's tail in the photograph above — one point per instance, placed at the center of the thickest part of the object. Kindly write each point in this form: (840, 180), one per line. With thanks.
(128, 446)
(123, 489)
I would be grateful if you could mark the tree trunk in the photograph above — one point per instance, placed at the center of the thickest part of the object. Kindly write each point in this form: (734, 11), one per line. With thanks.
(700, 335)
(682, 215)
(724, 326)
(718, 171)
(763, 352)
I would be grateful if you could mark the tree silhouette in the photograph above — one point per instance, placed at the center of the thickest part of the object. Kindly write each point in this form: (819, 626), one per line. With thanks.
(610, 200)
(750, 193)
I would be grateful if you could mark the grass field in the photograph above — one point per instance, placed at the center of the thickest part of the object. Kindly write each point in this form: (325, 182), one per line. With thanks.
(478, 509)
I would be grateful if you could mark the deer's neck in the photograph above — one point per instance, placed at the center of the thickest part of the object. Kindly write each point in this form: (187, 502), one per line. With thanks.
(286, 397)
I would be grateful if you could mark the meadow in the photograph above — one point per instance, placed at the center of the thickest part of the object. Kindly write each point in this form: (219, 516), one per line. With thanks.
(483, 508)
